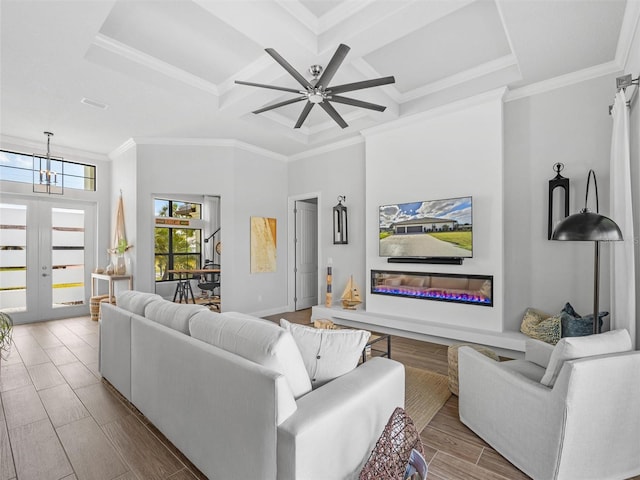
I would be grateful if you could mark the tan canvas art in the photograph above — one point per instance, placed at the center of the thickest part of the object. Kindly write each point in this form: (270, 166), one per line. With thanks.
(263, 244)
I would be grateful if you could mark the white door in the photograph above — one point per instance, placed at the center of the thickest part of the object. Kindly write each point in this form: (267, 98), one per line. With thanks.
(46, 256)
(306, 267)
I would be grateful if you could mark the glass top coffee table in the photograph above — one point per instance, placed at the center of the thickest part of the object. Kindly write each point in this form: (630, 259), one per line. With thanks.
(377, 337)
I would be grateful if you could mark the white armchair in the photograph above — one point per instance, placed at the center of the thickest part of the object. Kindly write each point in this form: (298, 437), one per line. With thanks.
(565, 412)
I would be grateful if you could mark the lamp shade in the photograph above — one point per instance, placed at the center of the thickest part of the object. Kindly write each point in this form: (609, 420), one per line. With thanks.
(587, 226)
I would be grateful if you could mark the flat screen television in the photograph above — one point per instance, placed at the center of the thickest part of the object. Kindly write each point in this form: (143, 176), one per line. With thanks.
(428, 229)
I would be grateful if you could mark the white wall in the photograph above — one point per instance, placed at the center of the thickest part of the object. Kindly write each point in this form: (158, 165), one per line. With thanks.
(330, 174)
(569, 125)
(633, 67)
(453, 151)
(247, 183)
(125, 180)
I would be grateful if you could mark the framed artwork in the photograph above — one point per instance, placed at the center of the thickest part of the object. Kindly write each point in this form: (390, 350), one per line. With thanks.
(263, 244)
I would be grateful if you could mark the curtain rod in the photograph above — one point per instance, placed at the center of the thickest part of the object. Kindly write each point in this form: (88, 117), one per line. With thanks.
(622, 83)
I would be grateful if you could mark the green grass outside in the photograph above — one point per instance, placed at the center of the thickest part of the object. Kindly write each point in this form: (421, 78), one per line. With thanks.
(461, 239)
(384, 235)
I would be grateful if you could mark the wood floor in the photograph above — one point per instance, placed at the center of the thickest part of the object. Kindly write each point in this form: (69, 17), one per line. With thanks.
(58, 420)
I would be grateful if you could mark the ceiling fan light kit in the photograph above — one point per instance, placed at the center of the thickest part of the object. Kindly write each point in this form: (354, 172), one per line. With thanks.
(317, 91)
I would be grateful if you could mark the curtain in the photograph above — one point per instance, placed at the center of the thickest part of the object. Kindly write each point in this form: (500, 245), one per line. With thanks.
(623, 290)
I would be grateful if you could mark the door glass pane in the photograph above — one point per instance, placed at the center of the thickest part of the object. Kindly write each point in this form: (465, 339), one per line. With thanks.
(13, 258)
(67, 256)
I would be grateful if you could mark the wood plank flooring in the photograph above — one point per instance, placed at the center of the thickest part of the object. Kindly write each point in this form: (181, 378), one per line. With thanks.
(59, 420)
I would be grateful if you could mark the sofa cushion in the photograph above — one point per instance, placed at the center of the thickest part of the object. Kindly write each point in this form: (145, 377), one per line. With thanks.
(173, 315)
(255, 339)
(571, 348)
(135, 302)
(327, 354)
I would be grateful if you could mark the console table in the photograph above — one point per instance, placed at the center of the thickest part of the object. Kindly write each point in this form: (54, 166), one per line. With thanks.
(111, 279)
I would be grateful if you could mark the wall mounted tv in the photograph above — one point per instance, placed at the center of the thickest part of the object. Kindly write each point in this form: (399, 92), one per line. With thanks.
(430, 230)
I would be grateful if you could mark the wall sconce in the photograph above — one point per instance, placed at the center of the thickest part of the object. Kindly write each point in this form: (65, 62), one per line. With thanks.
(45, 179)
(340, 234)
(554, 212)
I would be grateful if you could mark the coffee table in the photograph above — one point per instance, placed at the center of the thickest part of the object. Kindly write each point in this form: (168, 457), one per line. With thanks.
(377, 337)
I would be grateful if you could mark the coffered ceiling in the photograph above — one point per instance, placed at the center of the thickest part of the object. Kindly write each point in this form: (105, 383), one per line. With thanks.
(165, 69)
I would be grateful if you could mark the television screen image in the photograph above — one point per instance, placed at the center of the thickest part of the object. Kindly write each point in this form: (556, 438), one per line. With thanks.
(430, 229)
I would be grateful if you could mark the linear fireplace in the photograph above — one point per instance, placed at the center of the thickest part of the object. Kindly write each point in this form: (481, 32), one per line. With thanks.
(444, 287)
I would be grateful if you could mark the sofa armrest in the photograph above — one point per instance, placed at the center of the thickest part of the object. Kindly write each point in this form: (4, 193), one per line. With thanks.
(519, 417)
(115, 348)
(538, 352)
(341, 421)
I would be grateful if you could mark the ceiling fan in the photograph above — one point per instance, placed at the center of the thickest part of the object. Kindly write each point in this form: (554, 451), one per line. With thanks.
(318, 91)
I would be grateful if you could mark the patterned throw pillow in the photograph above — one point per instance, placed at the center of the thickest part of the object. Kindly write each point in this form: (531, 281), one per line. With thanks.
(574, 325)
(540, 325)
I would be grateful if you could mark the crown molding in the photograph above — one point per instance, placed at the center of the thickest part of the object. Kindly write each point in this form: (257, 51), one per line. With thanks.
(630, 22)
(563, 81)
(122, 149)
(495, 94)
(119, 48)
(327, 148)
(300, 13)
(471, 74)
(40, 148)
(200, 142)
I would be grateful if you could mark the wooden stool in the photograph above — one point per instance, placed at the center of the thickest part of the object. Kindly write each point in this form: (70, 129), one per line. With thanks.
(105, 300)
(452, 357)
(94, 306)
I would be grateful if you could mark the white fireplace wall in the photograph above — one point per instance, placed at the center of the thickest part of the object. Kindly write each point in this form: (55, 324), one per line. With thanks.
(453, 151)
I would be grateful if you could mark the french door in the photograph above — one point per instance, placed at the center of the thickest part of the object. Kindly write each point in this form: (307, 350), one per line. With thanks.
(46, 256)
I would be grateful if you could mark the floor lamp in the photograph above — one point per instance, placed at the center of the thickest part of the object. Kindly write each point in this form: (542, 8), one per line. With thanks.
(590, 227)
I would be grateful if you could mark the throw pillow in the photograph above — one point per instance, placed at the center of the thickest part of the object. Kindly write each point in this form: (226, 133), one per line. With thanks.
(541, 326)
(135, 302)
(573, 325)
(579, 347)
(327, 354)
(255, 339)
(173, 315)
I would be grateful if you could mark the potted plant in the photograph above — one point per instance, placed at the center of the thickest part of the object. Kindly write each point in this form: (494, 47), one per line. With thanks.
(6, 329)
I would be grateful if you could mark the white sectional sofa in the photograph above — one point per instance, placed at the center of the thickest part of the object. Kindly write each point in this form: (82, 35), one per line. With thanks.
(239, 410)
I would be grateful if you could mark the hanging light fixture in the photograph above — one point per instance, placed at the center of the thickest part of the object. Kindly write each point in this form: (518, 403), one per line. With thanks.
(340, 234)
(45, 178)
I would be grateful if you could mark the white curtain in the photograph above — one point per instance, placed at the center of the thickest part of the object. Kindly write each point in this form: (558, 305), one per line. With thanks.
(623, 304)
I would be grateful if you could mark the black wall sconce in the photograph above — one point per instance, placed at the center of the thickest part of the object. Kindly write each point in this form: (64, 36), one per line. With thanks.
(557, 182)
(340, 233)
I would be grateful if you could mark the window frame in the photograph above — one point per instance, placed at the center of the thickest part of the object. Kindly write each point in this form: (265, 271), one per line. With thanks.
(179, 222)
(31, 173)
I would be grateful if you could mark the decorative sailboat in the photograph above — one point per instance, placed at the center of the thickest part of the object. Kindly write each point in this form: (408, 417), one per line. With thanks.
(351, 295)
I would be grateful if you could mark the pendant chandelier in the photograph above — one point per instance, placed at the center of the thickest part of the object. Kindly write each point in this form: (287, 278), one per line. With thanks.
(48, 172)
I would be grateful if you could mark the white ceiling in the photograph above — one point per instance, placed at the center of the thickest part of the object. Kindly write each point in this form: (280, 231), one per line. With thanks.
(166, 68)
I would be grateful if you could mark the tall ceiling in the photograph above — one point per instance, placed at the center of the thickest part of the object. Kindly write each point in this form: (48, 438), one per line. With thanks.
(97, 73)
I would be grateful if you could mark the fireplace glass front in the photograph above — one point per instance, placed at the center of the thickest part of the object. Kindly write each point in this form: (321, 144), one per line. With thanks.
(444, 287)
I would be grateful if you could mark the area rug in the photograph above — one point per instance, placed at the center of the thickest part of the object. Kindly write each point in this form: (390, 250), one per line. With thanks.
(425, 394)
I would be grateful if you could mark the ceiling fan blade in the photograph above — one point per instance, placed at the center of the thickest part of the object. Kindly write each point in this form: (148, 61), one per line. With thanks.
(280, 104)
(333, 114)
(272, 87)
(303, 116)
(357, 103)
(292, 71)
(349, 87)
(333, 65)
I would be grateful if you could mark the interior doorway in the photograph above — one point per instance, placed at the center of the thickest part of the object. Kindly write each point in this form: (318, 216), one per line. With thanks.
(305, 271)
